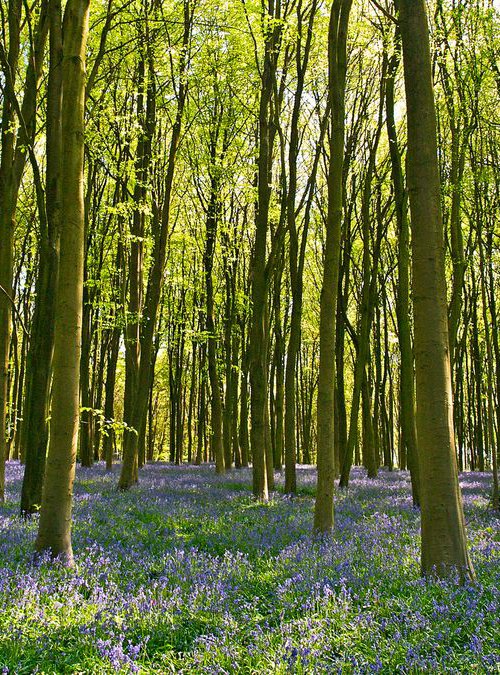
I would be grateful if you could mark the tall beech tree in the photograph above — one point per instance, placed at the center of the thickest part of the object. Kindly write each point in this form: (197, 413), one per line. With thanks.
(407, 383)
(35, 429)
(7, 211)
(212, 222)
(146, 113)
(54, 530)
(18, 131)
(444, 545)
(371, 254)
(272, 26)
(305, 26)
(337, 68)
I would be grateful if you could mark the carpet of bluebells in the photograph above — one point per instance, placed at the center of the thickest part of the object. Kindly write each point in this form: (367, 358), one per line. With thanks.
(186, 574)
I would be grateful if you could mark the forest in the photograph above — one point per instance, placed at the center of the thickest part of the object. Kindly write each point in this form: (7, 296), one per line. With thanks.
(249, 341)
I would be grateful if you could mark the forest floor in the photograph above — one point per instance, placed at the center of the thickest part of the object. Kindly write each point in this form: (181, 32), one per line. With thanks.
(186, 574)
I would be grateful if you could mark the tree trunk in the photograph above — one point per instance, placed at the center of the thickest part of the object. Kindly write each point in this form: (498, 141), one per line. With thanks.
(146, 113)
(87, 412)
(243, 435)
(260, 283)
(35, 432)
(495, 500)
(369, 457)
(337, 57)
(213, 371)
(54, 532)
(228, 370)
(296, 255)
(279, 371)
(12, 163)
(407, 387)
(444, 546)
(371, 248)
(109, 397)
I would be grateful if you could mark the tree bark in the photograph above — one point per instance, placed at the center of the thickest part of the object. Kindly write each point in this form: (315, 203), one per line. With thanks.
(260, 282)
(54, 532)
(146, 113)
(12, 161)
(34, 430)
(337, 66)
(407, 384)
(296, 255)
(444, 546)
(213, 371)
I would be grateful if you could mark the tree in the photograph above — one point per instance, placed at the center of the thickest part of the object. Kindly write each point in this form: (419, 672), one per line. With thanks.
(54, 531)
(146, 113)
(337, 67)
(35, 429)
(212, 220)
(7, 215)
(258, 351)
(18, 130)
(444, 546)
(407, 384)
(296, 253)
(371, 253)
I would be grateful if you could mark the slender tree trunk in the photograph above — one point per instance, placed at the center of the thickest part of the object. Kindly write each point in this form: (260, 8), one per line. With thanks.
(243, 435)
(296, 255)
(459, 133)
(340, 398)
(228, 368)
(260, 282)
(495, 500)
(479, 436)
(34, 430)
(407, 387)
(496, 350)
(368, 298)
(16, 454)
(337, 57)
(387, 415)
(297, 261)
(235, 374)
(7, 215)
(87, 405)
(192, 397)
(213, 370)
(98, 391)
(201, 409)
(369, 459)
(109, 397)
(279, 371)
(146, 113)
